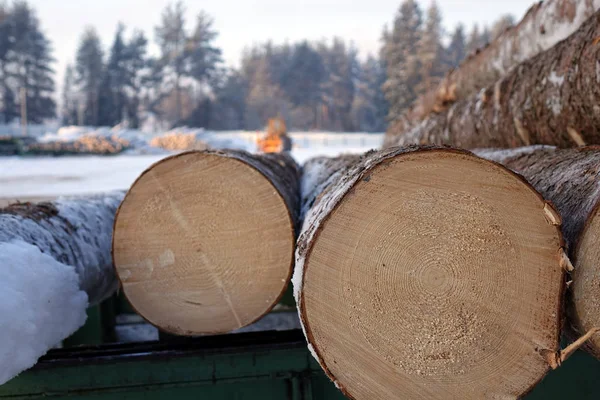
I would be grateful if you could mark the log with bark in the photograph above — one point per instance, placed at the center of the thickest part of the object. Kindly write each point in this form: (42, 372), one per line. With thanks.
(570, 179)
(543, 26)
(204, 240)
(551, 99)
(427, 272)
(55, 261)
(73, 231)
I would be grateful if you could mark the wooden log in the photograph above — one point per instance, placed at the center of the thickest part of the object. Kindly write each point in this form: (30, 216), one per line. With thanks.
(550, 99)
(73, 231)
(55, 261)
(544, 25)
(204, 240)
(430, 273)
(569, 178)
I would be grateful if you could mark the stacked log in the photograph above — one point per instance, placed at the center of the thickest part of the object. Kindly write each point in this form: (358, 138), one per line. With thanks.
(204, 240)
(55, 261)
(551, 98)
(545, 24)
(87, 144)
(427, 272)
(178, 141)
(570, 179)
(74, 231)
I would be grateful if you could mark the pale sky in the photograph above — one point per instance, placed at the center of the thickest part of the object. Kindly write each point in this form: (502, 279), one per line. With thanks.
(242, 23)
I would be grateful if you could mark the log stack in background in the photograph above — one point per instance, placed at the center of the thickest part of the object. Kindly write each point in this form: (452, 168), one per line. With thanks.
(551, 98)
(204, 241)
(569, 178)
(429, 273)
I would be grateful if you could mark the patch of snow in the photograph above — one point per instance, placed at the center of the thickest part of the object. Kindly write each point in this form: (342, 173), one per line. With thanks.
(499, 155)
(40, 305)
(554, 104)
(79, 236)
(480, 100)
(538, 32)
(313, 352)
(556, 80)
(49, 177)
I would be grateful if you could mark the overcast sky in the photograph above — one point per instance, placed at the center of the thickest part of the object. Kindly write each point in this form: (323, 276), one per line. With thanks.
(242, 23)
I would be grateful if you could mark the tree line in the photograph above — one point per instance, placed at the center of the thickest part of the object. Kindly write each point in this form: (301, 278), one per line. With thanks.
(320, 85)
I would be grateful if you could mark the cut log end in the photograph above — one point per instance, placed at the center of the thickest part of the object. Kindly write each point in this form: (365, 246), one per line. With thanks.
(437, 277)
(203, 243)
(586, 282)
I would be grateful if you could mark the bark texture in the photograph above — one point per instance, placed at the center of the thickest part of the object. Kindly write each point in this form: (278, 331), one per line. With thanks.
(544, 25)
(551, 99)
(75, 232)
(318, 173)
(569, 178)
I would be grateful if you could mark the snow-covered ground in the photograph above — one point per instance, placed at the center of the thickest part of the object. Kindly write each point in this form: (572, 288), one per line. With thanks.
(34, 178)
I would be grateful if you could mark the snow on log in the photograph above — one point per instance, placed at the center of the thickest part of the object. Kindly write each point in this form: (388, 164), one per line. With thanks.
(543, 26)
(204, 240)
(551, 98)
(421, 269)
(570, 179)
(55, 260)
(318, 173)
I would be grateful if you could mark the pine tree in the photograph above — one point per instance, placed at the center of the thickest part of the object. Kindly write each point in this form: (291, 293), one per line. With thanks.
(266, 99)
(303, 76)
(402, 63)
(502, 24)
(69, 99)
(473, 43)
(138, 71)
(457, 47)
(341, 66)
(369, 107)
(7, 97)
(485, 38)
(229, 108)
(171, 38)
(202, 62)
(89, 71)
(202, 55)
(112, 96)
(30, 60)
(430, 51)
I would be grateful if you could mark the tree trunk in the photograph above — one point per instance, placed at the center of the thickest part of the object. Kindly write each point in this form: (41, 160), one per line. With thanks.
(420, 269)
(75, 232)
(550, 99)
(569, 178)
(543, 26)
(204, 241)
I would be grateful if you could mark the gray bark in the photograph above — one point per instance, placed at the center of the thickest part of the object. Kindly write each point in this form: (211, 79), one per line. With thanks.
(543, 26)
(76, 232)
(569, 178)
(318, 173)
(551, 99)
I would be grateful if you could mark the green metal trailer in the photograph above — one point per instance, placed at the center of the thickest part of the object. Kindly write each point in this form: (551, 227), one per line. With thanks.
(259, 365)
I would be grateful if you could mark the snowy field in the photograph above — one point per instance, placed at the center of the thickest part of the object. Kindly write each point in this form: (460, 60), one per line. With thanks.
(39, 178)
